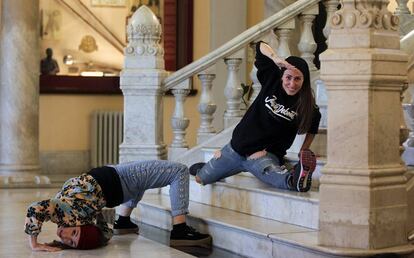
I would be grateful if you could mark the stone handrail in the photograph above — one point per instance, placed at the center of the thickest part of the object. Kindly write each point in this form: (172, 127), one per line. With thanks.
(238, 42)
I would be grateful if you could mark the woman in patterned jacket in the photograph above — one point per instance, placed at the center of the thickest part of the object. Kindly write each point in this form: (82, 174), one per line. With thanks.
(77, 208)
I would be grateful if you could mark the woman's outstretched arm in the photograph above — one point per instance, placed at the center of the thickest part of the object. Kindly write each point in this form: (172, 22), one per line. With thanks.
(266, 50)
(41, 247)
(37, 213)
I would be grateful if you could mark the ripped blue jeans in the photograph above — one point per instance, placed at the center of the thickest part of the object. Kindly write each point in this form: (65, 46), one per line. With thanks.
(267, 168)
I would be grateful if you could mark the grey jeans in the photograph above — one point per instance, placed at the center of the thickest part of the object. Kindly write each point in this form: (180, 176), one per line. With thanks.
(138, 176)
(267, 168)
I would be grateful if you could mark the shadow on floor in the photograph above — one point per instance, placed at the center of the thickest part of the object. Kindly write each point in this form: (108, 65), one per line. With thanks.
(163, 237)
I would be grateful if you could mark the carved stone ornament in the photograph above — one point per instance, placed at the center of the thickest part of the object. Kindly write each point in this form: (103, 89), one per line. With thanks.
(144, 33)
(363, 14)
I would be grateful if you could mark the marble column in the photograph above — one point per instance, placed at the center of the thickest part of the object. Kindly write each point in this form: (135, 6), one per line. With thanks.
(141, 84)
(19, 94)
(363, 199)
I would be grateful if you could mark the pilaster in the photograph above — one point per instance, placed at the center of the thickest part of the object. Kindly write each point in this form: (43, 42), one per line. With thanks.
(141, 84)
(363, 200)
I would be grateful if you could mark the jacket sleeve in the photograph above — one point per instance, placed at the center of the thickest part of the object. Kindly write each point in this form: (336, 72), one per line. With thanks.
(316, 118)
(266, 68)
(37, 213)
(107, 232)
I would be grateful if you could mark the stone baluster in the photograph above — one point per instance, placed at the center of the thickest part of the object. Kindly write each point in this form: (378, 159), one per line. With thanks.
(307, 45)
(141, 84)
(179, 122)
(405, 17)
(402, 8)
(284, 32)
(363, 197)
(206, 108)
(19, 94)
(233, 92)
(272, 39)
(255, 84)
(331, 7)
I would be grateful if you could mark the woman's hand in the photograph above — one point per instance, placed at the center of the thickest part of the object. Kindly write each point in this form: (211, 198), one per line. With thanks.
(41, 247)
(45, 247)
(257, 154)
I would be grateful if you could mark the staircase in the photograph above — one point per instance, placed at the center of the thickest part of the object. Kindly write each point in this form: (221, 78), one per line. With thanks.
(243, 215)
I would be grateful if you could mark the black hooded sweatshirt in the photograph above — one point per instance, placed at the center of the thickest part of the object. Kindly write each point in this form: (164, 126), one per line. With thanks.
(271, 122)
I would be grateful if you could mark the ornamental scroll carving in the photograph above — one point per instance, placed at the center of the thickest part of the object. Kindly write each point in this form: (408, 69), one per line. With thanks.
(144, 34)
(363, 14)
(144, 40)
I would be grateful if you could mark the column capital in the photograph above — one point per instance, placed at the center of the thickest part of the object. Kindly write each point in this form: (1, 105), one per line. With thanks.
(364, 14)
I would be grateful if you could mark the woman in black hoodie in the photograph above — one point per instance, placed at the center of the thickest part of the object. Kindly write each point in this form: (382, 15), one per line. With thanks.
(284, 107)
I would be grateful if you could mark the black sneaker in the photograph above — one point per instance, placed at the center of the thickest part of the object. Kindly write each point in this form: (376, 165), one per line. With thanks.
(301, 179)
(125, 228)
(188, 236)
(196, 167)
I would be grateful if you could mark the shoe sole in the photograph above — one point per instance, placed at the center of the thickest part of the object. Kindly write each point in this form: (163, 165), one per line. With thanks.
(124, 231)
(308, 164)
(196, 167)
(205, 242)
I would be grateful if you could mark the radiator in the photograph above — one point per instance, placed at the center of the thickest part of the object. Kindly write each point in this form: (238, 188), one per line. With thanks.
(106, 136)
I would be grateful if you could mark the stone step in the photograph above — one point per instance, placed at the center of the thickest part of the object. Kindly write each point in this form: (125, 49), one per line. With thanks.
(233, 231)
(247, 235)
(248, 195)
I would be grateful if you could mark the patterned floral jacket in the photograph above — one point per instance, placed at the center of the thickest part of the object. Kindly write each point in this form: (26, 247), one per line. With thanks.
(80, 202)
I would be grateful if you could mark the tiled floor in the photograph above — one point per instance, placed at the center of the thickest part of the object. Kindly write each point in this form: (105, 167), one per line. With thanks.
(14, 244)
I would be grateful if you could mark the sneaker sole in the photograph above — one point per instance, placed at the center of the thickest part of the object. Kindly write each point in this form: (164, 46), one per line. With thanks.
(205, 242)
(124, 231)
(308, 164)
(195, 168)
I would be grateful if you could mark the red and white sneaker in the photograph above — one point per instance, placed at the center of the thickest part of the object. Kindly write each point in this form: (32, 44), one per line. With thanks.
(302, 174)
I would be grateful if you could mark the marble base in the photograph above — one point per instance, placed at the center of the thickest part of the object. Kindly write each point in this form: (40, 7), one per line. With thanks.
(231, 121)
(202, 137)
(174, 153)
(73, 162)
(128, 152)
(196, 153)
(23, 180)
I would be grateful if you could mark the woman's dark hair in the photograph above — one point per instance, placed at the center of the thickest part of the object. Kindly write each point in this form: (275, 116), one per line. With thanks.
(306, 101)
